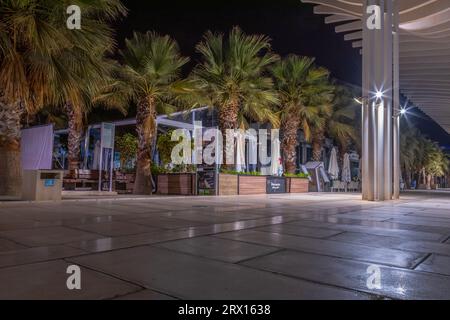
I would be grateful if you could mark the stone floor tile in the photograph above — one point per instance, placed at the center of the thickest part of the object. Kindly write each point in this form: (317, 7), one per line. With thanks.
(395, 283)
(37, 254)
(145, 295)
(7, 245)
(189, 277)
(218, 249)
(300, 231)
(47, 280)
(47, 236)
(115, 228)
(436, 264)
(327, 247)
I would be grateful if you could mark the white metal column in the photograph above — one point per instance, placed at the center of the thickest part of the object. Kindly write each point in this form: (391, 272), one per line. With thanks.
(396, 129)
(378, 62)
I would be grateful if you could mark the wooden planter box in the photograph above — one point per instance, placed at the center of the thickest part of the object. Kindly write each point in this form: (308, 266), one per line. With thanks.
(297, 185)
(249, 185)
(227, 184)
(176, 184)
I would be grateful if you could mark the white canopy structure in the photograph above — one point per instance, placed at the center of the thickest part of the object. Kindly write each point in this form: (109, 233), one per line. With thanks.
(424, 47)
(405, 46)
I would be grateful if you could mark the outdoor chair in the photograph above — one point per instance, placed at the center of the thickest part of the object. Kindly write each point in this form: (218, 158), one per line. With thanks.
(338, 186)
(353, 186)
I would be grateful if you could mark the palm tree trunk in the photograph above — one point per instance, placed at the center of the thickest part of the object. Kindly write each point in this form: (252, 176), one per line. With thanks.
(228, 119)
(289, 127)
(10, 159)
(408, 179)
(146, 130)
(75, 124)
(429, 179)
(342, 150)
(317, 144)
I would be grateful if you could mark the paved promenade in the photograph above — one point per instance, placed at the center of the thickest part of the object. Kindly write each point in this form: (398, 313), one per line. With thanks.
(312, 246)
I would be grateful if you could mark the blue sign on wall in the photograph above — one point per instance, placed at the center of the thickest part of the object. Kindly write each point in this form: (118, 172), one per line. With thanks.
(49, 183)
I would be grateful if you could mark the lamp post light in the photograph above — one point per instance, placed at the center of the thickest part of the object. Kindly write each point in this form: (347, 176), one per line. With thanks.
(396, 148)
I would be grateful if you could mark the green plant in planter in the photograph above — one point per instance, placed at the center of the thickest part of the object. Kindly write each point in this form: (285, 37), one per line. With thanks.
(253, 173)
(297, 175)
(127, 146)
(165, 146)
(234, 172)
(159, 170)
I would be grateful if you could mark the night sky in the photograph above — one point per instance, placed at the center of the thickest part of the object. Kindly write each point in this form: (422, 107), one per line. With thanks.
(292, 26)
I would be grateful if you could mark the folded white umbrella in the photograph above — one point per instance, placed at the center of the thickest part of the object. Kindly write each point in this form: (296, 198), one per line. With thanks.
(333, 167)
(346, 171)
(240, 152)
(275, 157)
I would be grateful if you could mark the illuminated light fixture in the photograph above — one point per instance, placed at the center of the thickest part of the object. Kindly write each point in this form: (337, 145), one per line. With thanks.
(400, 113)
(358, 100)
(379, 95)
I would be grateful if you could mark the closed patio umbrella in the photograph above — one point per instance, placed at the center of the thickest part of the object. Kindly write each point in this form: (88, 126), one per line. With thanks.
(346, 170)
(359, 170)
(275, 167)
(333, 168)
(240, 152)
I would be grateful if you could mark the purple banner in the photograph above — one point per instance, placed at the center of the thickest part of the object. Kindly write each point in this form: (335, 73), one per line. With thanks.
(37, 148)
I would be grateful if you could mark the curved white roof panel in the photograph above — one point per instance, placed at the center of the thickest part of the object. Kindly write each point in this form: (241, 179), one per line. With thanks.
(424, 48)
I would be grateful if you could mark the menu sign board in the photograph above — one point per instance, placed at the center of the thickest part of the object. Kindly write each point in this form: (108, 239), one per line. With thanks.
(276, 185)
(206, 183)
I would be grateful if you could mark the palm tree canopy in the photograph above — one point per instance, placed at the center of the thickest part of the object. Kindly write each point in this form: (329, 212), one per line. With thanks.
(418, 153)
(38, 53)
(232, 71)
(305, 91)
(341, 123)
(436, 162)
(151, 69)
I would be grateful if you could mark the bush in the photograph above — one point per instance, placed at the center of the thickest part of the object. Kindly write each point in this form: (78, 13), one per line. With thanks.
(127, 146)
(165, 146)
(234, 172)
(297, 175)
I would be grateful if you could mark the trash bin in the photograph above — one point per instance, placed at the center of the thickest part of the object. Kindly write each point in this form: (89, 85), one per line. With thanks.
(42, 185)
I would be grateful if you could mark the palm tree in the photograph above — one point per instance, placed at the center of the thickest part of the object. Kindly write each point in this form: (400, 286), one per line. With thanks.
(421, 157)
(341, 122)
(320, 96)
(79, 94)
(32, 39)
(436, 163)
(149, 77)
(87, 70)
(304, 93)
(410, 152)
(231, 78)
